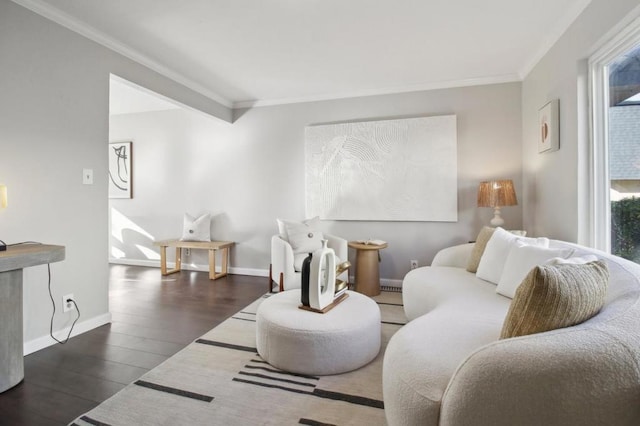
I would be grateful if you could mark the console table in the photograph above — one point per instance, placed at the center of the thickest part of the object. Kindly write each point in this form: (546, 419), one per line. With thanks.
(12, 261)
(212, 246)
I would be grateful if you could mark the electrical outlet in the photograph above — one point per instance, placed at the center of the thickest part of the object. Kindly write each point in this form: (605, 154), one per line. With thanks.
(68, 306)
(414, 264)
(188, 252)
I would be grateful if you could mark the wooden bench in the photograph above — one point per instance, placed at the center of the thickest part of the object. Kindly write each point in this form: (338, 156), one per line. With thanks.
(212, 246)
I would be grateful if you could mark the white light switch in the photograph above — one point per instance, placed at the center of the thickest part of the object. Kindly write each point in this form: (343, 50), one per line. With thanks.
(87, 176)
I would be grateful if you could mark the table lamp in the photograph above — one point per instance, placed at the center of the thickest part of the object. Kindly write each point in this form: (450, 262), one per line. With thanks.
(3, 205)
(497, 194)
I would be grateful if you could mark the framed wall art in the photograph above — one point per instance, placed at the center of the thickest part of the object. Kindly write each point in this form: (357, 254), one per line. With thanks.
(390, 170)
(549, 127)
(120, 170)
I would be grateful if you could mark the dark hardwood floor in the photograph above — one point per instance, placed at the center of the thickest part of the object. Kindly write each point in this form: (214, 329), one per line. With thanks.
(153, 318)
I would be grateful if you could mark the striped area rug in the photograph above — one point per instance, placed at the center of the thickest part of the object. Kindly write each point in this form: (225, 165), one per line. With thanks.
(221, 380)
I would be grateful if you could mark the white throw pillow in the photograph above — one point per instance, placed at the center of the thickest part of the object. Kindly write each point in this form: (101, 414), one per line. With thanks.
(314, 222)
(578, 260)
(304, 237)
(196, 229)
(523, 258)
(495, 254)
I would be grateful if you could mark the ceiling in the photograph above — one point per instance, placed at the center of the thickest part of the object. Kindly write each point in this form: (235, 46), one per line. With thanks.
(261, 52)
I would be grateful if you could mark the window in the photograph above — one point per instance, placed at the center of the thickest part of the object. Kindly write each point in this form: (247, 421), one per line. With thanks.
(615, 154)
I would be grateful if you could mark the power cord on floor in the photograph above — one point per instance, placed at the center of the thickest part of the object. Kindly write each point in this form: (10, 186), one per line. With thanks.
(54, 311)
(23, 243)
(51, 297)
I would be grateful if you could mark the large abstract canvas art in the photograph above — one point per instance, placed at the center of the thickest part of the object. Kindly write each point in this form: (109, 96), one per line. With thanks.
(120, 170)
(391, 170)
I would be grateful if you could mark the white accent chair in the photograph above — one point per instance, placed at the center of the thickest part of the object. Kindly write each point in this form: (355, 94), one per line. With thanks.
(286, 267)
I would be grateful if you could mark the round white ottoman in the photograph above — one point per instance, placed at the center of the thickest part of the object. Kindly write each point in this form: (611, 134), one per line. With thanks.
(343, 339)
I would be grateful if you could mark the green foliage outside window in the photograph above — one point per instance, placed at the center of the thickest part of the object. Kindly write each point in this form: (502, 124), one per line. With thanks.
(625, 228)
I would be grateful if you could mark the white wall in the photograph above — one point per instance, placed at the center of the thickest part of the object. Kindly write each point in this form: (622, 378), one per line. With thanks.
(555, 184)
(251, 172)
(182, 161)
(54, 87)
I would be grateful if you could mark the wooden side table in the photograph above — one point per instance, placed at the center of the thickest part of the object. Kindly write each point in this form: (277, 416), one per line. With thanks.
(367, 275)
(212, 246)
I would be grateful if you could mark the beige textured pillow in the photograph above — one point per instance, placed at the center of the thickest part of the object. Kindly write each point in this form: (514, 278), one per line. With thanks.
(478, 249)
(556, 296)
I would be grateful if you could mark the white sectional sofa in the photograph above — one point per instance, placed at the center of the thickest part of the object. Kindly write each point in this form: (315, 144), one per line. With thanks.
(447, 366)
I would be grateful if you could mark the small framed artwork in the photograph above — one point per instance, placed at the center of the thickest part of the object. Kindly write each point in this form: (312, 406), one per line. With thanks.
(120, 170)
(549, 127)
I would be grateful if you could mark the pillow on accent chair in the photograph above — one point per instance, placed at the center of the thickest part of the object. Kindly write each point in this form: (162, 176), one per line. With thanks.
(556, 296)
(313, 222)
(305, 237)
(196, 229)
(521, 259)
(495, 254)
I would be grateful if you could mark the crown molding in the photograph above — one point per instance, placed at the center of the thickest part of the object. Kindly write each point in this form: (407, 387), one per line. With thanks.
(481, 81)
(123, 81)
(67, 21)
(553, 36)
(53, 14)
(622, 36)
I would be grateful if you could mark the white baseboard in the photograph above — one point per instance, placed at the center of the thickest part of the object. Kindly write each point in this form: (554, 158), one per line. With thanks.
(391, 283)
(249, 271)
(383, 282)
(137, 262)
(191, 267)
(232, 270)
(80, 327)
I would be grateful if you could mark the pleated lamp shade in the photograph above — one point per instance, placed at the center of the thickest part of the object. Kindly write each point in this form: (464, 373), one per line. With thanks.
(497, 193)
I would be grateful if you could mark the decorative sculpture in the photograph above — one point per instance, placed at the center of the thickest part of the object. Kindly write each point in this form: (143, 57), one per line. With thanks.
(322, 280)
(304, 284)
(341, 284)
